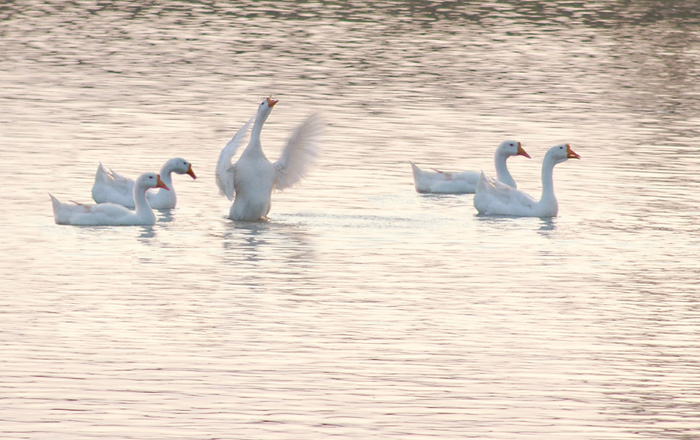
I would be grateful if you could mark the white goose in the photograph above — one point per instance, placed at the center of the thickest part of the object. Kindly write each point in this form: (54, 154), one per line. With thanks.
(465, 182)
(495, 198)
(111, 214)
(250, 181)
(110, 187)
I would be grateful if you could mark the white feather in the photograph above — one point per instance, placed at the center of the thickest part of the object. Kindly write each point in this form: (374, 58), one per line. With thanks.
(224, 169)
(299, 154)
(111, 187)
(496, 198)
(465, 182)
(112, 214)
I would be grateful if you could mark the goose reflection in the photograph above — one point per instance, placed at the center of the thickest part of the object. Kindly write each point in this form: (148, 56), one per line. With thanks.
(165, 216)
(547, 226)
(275, 247)
(147, 233)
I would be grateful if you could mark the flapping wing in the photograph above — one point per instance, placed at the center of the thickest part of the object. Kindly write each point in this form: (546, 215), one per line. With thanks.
(224, 168)
(299, 153)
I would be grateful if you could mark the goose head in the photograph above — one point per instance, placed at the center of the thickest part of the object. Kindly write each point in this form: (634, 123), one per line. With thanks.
(181, 166)
(271, 102)
(560, 153)
(264, 110)
(512, 148)
(151, 180)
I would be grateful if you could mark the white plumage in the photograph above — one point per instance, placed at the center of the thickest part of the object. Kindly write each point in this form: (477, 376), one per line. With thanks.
(111, 214)
(111, 187)
(250, 181)
(465, 182)
(496, 198)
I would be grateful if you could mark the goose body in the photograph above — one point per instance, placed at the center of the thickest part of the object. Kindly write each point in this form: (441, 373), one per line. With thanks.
(111, 187)
(496, 198)
(250, 181)
(111, 214)
(465, 182)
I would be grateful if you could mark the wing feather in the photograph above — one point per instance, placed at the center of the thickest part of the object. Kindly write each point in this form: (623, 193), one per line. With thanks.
(494, 197)
(299, 154)
(224, 168)
(110, 186)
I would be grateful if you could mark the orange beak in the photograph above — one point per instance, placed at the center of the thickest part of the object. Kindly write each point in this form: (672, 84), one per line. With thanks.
(522, 152)
(161, 184)
(190, 172)
(271, 102)
(571, 154)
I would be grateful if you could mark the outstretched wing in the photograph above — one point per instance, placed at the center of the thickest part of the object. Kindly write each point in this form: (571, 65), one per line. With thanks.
(299, 153)
(224, 168)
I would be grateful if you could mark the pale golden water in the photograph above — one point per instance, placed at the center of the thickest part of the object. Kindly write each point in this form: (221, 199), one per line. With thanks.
(361, 309)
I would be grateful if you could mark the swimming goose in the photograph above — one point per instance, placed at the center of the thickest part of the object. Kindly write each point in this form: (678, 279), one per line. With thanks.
(110, 213)
(110, 187)
(464, 182)
(250, 181)
(495, 198)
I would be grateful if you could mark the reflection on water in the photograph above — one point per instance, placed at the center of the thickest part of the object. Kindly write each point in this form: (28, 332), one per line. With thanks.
(165, 216)
(361, 309)
(146, 233)
(252, 239)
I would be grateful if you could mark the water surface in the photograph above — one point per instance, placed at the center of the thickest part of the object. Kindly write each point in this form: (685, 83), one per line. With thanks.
(361, 309)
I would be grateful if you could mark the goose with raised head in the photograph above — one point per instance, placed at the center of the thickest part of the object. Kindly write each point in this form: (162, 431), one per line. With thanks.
(495, 198)
(111, 187)
(465, 182)
(111, 214)
(250, 181)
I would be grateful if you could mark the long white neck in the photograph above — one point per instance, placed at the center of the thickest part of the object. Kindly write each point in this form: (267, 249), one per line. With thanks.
(166, 175)
(548, 199)
(254, 147)
(502, 173)
(143, 209)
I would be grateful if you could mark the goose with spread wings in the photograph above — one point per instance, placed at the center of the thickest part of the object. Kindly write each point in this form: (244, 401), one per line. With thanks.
(249, 181)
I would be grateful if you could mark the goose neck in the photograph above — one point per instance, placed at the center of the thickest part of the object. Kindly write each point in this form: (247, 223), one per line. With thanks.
(502, 173)
(254, 147)
(166, 174)
(260, 119)
(548, 181)
(143, 209)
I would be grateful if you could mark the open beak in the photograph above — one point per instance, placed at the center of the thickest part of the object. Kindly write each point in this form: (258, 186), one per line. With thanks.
(190, 172)
(522, 152)
(271, 102)
(161, 184)
(571, 154)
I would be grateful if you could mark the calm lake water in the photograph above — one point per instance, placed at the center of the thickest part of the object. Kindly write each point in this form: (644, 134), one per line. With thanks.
(362, 309)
